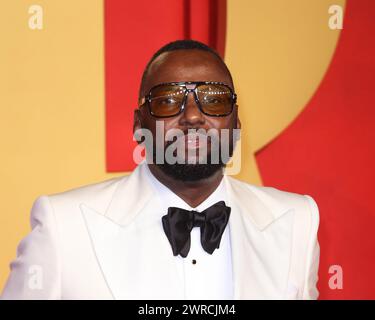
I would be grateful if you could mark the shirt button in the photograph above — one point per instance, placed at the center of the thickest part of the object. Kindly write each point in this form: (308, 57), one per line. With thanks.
(193, 261)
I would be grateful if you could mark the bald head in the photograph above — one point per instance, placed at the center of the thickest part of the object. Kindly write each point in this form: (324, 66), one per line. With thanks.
(184, 60)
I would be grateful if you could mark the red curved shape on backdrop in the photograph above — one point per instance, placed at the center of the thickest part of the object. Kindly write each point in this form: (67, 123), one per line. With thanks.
(134, 30)
(329, 153)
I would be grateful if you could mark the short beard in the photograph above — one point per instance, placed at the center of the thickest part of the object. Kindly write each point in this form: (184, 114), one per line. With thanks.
(191, 172)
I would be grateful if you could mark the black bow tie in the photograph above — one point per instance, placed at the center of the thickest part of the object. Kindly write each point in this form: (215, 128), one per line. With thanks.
(177, 224)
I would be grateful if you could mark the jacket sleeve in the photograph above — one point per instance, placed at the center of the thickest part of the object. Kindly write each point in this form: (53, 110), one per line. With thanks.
(313, 253)
(35, 273)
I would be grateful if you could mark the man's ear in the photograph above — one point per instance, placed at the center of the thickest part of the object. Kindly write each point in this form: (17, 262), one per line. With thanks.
(137, 123)
(238, 118)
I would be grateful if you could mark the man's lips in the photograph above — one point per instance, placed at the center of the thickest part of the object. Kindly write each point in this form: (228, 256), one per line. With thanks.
(195, 141)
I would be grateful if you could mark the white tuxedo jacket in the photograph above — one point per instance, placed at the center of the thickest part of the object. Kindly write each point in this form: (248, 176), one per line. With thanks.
(87, 243)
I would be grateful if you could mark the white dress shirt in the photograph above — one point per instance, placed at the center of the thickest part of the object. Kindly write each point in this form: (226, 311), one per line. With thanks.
(202, 275)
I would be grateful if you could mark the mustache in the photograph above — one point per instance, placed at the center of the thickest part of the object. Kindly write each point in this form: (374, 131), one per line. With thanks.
(200, 134)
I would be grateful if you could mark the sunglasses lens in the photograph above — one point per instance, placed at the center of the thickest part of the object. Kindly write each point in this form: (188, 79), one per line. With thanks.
(215, 99)
(166, 100)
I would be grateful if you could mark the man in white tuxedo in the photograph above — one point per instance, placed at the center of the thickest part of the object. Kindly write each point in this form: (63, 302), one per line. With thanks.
(172, 231)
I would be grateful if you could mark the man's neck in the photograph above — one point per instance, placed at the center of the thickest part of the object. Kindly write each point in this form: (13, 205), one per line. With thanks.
(192, 192)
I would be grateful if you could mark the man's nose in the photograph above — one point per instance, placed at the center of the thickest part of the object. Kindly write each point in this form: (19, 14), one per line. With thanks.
(192, 115)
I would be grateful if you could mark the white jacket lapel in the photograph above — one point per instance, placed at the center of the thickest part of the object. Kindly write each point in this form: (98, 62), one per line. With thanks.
(261, 242)
(136, 263)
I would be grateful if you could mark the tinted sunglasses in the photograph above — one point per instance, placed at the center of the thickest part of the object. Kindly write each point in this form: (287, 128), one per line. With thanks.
(215, 99)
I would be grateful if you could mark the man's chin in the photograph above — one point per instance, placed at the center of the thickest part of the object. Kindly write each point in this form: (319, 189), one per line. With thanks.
(190, 172)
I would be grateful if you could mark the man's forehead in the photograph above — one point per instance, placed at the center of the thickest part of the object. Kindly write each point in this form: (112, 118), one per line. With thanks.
(186, 65)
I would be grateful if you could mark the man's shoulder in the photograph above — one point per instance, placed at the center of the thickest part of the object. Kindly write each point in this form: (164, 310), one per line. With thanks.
(96, 194)
(274, 195)
(266, 190)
